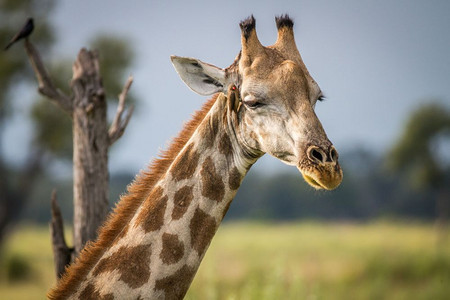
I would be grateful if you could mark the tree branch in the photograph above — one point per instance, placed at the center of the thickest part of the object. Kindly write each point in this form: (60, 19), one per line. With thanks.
(119, 125)
(46, 86)
(61, 253)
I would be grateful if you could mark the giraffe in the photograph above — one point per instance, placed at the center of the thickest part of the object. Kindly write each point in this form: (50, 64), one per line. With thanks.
(152, 244)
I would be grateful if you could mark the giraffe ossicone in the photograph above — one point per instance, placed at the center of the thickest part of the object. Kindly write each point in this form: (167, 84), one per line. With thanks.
(152, 244)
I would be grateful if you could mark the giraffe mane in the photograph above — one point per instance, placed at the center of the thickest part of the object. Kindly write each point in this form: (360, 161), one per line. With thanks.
(125, 208)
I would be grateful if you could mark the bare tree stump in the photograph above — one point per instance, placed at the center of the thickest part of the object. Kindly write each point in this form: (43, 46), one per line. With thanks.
(61, 252)
(90, 149)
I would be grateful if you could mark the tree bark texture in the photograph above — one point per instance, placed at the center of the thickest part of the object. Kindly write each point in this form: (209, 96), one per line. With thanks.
(90, 149)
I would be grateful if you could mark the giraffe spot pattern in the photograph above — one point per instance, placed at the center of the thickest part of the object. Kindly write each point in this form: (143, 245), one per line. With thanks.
(185, 165)
(176, 285)
(182, 199)
(172, 249)
(212, 184)
(202, 228)
(234, 179)
(133, 264)
(151, 217)
(208, 132)
(225, 146)
(90, 293)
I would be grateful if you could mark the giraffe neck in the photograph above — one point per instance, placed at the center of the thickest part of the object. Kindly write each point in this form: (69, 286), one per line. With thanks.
(160, 249)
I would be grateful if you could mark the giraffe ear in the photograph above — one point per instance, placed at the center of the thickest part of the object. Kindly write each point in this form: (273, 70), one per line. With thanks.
(202, 78)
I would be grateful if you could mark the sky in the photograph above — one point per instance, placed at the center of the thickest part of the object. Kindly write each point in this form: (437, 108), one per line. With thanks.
(375, 61)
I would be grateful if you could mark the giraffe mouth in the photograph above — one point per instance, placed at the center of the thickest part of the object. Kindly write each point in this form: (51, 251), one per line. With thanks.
(326, 179)
(312, 182)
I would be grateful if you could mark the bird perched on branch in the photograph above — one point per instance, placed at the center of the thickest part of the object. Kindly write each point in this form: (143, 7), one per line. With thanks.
(23, 33)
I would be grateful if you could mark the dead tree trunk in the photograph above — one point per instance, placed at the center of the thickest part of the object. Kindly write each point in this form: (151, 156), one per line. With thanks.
(91, 141)
(90, 149)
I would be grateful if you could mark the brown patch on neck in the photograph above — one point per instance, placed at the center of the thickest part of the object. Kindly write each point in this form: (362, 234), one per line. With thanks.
(212, 184)
(209, 131)
(234, 178)
(203, 228)
(90, 293)
(125, 209)
(151, 217)
(172, 250)
(186, 164)
(175, 286)
(225, 146)
(182, 200)
(133, 264)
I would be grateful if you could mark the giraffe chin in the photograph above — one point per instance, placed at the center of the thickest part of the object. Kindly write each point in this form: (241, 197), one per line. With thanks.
(323, 180)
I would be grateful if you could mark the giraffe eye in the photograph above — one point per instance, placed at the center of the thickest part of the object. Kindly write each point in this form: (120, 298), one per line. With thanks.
(251, 102)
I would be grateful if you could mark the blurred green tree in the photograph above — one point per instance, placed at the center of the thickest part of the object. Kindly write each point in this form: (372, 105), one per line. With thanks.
(415, 151)
(416, 154)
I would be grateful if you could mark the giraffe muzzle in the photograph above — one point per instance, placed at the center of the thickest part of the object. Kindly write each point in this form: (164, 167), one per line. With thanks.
(320, 168)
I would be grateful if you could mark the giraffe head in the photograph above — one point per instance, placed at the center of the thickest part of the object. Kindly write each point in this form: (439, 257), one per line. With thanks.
(273, 98)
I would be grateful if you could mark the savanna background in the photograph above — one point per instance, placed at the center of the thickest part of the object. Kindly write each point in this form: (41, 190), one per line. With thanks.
(385, 71)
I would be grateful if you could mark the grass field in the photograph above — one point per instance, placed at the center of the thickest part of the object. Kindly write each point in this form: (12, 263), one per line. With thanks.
(381, 260)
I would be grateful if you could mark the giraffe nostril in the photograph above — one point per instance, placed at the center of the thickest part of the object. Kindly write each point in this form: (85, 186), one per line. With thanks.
(317, 155)
(334, 155)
